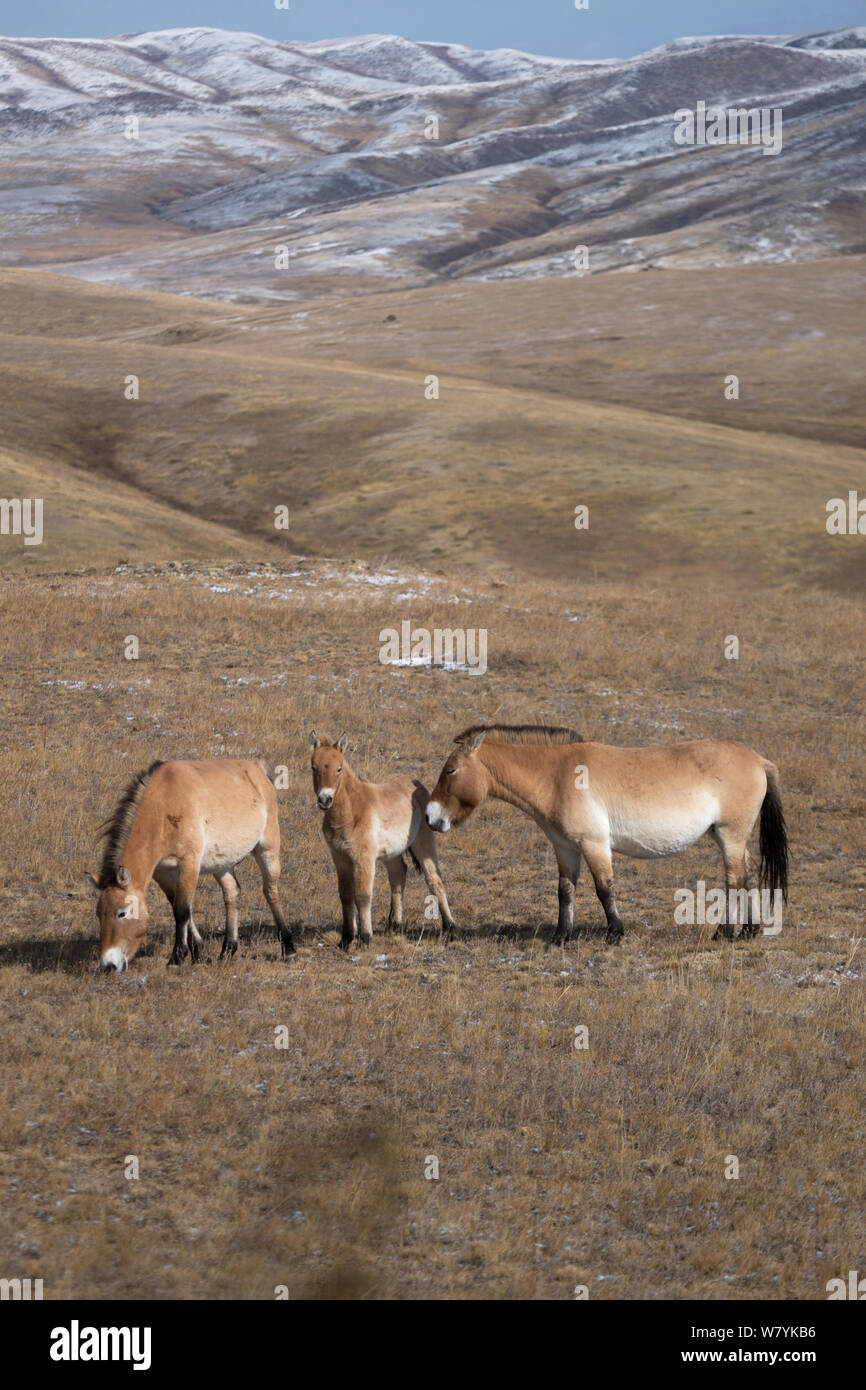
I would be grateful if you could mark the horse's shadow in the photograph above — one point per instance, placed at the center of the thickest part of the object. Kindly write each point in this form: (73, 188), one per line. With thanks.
(74, 954)
(543, 932)
(70, 954)
(502, 932)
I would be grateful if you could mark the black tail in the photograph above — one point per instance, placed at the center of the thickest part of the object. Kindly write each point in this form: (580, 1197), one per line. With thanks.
(410, 854)
(773, 837)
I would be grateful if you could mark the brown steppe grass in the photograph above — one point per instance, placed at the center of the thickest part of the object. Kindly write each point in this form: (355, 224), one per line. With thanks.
(304, 1166)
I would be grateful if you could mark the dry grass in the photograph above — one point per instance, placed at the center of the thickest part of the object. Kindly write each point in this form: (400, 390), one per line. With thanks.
(305, 1167)
(605, 392)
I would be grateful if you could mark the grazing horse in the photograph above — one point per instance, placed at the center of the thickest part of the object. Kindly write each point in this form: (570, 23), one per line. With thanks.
(592, 800)
(366, 821)
(173, 822)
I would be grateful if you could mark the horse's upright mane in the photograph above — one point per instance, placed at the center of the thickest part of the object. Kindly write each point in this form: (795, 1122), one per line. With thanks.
(116, 829)
(520, 733)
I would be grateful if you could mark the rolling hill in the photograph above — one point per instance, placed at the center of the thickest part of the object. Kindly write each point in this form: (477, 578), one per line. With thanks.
(245, 144)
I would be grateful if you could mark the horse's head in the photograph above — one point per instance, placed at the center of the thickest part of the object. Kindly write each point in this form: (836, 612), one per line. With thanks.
(327, 767)
(462, 786)
(123, 919)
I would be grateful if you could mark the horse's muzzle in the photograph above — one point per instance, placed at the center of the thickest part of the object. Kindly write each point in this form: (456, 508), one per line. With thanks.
(115, 960)
(436, 818)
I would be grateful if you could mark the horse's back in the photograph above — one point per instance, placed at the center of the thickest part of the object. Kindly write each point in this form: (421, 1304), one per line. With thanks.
(218, 808)
(667, 766)
(659, 799)
(214, 778)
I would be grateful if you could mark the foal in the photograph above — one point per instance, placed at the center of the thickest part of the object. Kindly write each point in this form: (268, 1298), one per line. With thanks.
(175, 821)
(592, 800)
(366, 821)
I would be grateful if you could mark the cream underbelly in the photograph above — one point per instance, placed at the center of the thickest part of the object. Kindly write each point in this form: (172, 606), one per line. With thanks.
(668, 832)
(227, 847)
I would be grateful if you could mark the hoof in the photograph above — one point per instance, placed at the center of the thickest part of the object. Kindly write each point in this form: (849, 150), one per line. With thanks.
(614, 938)
(229, 949)
(289, 950)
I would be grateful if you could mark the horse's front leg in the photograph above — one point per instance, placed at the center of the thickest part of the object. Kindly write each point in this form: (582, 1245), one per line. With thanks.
(364, 872)
(346, 885)
(184, 893)
(568, 872)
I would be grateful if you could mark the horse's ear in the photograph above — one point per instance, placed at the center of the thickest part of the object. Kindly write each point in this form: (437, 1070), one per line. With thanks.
(343, 742)
(314, 741)
(91, 881)
(473, 742)
(123, 877)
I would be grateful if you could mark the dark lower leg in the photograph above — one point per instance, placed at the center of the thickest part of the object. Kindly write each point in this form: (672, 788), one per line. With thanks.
(565, 922)
(615, 928)
(397, 880)
(282, 926)
(182, 917)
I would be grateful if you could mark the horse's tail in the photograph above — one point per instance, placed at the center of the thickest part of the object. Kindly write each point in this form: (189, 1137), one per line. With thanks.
(773, 835)
(410, 854)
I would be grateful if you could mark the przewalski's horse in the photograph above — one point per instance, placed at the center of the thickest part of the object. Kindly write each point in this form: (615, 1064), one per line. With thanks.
(366, 821)
(592, 800)
(173, 822)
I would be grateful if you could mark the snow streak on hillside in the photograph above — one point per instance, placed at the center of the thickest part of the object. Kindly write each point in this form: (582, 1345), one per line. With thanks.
(179, 159)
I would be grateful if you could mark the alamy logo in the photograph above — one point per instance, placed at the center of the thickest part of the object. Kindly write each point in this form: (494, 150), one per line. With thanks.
(846, 517)
(20, 1290)
(76, 1343)
(715, 908)
(454, 649)
(22, 517)
(714, 125)
(856, 1288)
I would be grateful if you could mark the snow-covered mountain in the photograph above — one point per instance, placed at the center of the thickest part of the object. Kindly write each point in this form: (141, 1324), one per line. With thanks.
(179, 159)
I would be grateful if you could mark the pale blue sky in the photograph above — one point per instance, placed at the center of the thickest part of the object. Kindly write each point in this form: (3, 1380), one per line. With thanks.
(610, 28)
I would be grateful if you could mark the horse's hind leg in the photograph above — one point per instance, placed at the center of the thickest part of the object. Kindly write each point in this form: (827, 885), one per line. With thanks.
(424, 850)
(733, 846)
(598, 861)
(229, 886)
(396, 867)
(268, 860)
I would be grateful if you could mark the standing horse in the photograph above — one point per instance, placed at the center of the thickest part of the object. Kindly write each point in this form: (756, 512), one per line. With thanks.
(592, 800)
(367, 821)
(173, 822)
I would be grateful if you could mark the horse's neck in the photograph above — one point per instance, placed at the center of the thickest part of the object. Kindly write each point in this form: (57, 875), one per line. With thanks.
(512, 777)
(349, 800)
(140, 854)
